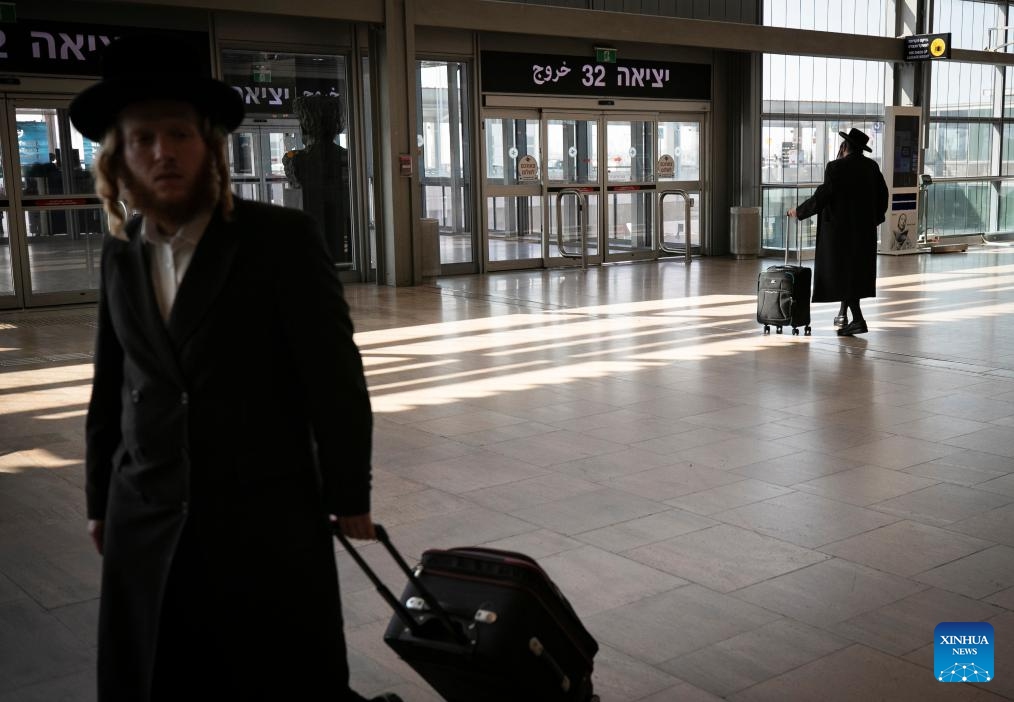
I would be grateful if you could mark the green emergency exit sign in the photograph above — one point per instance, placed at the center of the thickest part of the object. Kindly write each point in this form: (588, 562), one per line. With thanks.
(605, 55)
(7, 12)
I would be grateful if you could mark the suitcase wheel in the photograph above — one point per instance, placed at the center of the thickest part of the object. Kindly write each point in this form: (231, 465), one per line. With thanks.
(778, 330)
(767, 329)
(795, 331)
(807, 331)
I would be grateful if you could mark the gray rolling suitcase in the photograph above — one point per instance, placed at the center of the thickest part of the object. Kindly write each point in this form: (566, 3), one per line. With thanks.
(783, 292)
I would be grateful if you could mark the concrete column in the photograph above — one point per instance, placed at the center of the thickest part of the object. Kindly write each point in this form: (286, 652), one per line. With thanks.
(396, 132)
(908, 76)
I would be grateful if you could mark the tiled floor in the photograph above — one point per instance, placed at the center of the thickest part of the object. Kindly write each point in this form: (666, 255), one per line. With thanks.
(733, 515)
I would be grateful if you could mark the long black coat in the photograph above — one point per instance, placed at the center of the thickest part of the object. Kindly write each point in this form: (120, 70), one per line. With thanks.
(849, 205)
(246, 419)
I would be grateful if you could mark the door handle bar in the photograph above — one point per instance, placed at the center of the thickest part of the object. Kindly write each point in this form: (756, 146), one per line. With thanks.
(582, 226)
(660, 223)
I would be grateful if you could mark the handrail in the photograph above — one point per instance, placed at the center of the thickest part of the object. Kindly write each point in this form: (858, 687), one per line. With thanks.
(582, 225)
(659, 221)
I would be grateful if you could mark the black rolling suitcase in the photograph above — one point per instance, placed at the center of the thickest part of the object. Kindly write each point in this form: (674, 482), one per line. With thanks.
(783, 292)
(489, 625)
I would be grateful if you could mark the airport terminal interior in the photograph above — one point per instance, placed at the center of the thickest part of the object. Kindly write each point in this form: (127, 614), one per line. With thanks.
(550, 218)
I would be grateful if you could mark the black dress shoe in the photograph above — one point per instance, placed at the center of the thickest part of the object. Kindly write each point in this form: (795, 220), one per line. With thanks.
(856, 326)
(386, 697)
(840, 321)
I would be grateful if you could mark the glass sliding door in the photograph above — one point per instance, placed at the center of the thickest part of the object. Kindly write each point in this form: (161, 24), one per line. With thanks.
(572, 164)
(58, 224)
(680, 168)
(445, 160)
(513, 192)
(630, 188)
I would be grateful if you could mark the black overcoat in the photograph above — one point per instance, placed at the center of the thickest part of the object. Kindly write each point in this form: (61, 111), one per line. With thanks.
(849, 205)
(244, 418)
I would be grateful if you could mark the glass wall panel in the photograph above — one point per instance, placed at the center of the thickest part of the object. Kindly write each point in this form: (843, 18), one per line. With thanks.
(64, 248)
(959, 208)
(959, 149)
(963, 89)
(681, 141)
(294, 148)
(6, 263)
(630, 149)
(778, 201)
(515, 227)
(969, 22)
(445, 162)
(674, 221)
(870, 17)
(507, 140)
(572, 151)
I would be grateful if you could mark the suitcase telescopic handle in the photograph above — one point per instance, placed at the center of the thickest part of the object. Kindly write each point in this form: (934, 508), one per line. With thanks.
(799, 239)
(406, 617)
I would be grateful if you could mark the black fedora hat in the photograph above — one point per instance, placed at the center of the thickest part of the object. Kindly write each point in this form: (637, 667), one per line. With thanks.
(152, 67)
(857, 139)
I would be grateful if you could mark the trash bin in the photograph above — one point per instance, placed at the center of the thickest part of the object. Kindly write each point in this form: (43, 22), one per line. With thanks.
(744, 231)
(430, 239)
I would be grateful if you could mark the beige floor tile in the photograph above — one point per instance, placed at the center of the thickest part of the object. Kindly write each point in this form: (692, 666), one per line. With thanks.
(536, 544)
(737, 417)
(595, 580)
(747, 659)
(636, 430)
(859, 673)
(645, 530)
(734, 453)
(471, 471)
(469, 526)
(724, 558)
(76, 687)
(806, 520)
(664, 626)
(942, 505)
(1003, 485)
(670, 446)
(996, 440)
(403, 508)
(829, 592)
(1004, 598)
(906, 625)
(966, 405)
(547, 450)
(832, 438)
(937, 427)
(906, 548)
(533, 491)
(36, 647)
(864, 486)
(684, 692)
(621, 678)
(672, 481)
(719, 499)
(627, 461)
(962, 471)
(589, 510)
(507, 433)
(467, 422)
(979, 575)
(897, 452)
(796, 468)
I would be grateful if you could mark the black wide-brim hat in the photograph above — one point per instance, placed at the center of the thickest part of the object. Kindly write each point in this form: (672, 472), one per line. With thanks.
(857, 139)
(144, 67)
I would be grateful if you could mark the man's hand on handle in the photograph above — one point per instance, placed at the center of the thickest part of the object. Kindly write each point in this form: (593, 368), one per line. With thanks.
(359, 526)
(95, 528)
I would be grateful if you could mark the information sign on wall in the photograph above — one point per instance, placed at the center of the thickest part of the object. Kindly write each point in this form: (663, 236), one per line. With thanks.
(504, 72)
(926, 47)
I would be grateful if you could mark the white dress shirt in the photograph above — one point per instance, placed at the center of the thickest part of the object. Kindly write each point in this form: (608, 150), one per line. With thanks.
(170, 257)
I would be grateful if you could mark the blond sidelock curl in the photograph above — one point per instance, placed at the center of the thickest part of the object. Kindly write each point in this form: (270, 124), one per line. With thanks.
(110, 187)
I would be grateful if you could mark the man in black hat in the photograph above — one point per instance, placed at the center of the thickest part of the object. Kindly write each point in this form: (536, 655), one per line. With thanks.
(229, 422)
(850, 204)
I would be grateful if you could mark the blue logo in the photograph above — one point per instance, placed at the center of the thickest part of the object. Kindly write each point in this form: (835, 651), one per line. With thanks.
(963, 652)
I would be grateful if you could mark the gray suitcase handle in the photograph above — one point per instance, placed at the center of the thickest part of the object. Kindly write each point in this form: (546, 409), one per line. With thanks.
(799, 240)
(399, 609)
